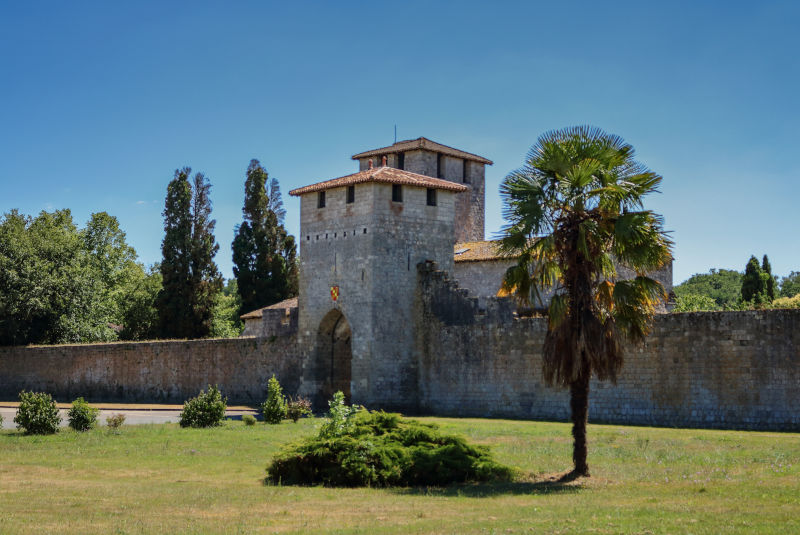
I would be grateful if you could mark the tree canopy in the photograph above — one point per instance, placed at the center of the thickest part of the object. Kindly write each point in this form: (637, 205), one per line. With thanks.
(790, 285)
(61, 284)
(576, 204)
(723, 286)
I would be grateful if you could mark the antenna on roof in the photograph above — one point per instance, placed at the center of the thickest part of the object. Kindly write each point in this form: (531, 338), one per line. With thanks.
(395, 133)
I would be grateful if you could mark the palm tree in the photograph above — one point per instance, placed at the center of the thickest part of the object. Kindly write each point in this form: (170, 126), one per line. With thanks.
(574, 209)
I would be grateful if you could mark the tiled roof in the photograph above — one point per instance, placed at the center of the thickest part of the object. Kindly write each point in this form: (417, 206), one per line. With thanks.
(388, 175)
(422, 143)
(288, 303)
(478, 251)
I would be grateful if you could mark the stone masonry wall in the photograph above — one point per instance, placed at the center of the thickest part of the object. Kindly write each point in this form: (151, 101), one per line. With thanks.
(163, 372)
(717, 369)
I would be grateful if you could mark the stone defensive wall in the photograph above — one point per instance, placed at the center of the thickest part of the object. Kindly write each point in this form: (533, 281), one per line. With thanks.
(158, 372)
(738, 370)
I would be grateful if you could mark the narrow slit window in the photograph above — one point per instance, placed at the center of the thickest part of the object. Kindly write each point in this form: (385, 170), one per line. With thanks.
(464, 176)
(321, 199)
(397, 193)
(431, 196)
(351, 194)
(439, 167)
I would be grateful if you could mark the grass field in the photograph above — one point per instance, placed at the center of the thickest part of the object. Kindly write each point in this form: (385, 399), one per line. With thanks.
(164, 479)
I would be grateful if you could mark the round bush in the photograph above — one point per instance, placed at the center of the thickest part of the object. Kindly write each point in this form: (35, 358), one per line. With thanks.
(205, 410)
(249, 419)
(82, 416)
(378, 449)
(37, 413)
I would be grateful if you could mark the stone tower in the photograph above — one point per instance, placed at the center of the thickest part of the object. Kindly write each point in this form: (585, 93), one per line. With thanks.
(361, 238)
(426, 157)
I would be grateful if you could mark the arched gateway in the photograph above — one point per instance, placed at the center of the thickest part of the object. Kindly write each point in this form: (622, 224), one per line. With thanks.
(334, 355)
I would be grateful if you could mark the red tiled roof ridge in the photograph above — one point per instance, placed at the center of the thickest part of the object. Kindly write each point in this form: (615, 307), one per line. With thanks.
(422, 143)
(479, 251)
(388, 175)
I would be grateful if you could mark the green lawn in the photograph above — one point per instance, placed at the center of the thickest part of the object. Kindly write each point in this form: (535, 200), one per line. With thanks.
(164, 479)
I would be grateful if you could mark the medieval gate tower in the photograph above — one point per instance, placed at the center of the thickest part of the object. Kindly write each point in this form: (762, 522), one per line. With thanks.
(361, 238)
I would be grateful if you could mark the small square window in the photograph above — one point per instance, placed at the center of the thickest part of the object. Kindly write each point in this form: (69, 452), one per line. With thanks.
(431, 196)
(321, 199)
(397, 193)
(351, 194)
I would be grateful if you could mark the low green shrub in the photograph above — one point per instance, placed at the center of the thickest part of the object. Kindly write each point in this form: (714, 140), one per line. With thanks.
(1, 422)
(274, 408)
(338, 417)
(37, 413)
(248, 419)
(205, 410)
(82, 416)
(297, 408)
(378, 449)
(115, 421)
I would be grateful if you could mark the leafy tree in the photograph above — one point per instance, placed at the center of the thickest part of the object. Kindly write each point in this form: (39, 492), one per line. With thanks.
(754, 283)
(695, 303)
(790, 285)
(577, 202)
(770, 279)
(190, 278)
(786, 302)
(139, 315)
(62, 284)
(48, 291)
(226, 322)
(724, 286)
(264, 254)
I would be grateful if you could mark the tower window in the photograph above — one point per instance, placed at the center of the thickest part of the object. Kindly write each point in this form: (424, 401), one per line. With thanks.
(397, 193)
(351, 194)
(464, 177)
(431, 196)
(401, 160)
(321, 199)
(439, 166)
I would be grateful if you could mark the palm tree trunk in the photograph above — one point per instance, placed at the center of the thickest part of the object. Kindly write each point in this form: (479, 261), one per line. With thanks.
(579, 403)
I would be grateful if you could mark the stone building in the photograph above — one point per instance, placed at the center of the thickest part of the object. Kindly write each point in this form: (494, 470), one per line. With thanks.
(361, 239)
(426, 157)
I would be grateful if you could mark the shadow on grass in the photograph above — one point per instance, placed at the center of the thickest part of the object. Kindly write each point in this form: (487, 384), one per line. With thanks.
(484, 490)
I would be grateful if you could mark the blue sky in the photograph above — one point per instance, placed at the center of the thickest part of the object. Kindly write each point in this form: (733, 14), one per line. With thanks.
(101, 102)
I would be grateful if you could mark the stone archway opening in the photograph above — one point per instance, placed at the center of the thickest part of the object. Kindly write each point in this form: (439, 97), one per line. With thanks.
(334, 355)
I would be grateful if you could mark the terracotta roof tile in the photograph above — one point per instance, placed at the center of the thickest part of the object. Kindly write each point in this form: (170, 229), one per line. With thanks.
(422, 143)
(388, 175)
(288, 303)
(477, 251)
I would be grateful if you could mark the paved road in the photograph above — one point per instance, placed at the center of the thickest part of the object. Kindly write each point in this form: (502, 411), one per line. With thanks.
(153, 414)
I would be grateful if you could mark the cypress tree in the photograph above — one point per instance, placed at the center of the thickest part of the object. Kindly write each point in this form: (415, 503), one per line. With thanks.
(754, 284)
(190, 278)
(766, 268)
(206, 279)
(264, 254)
